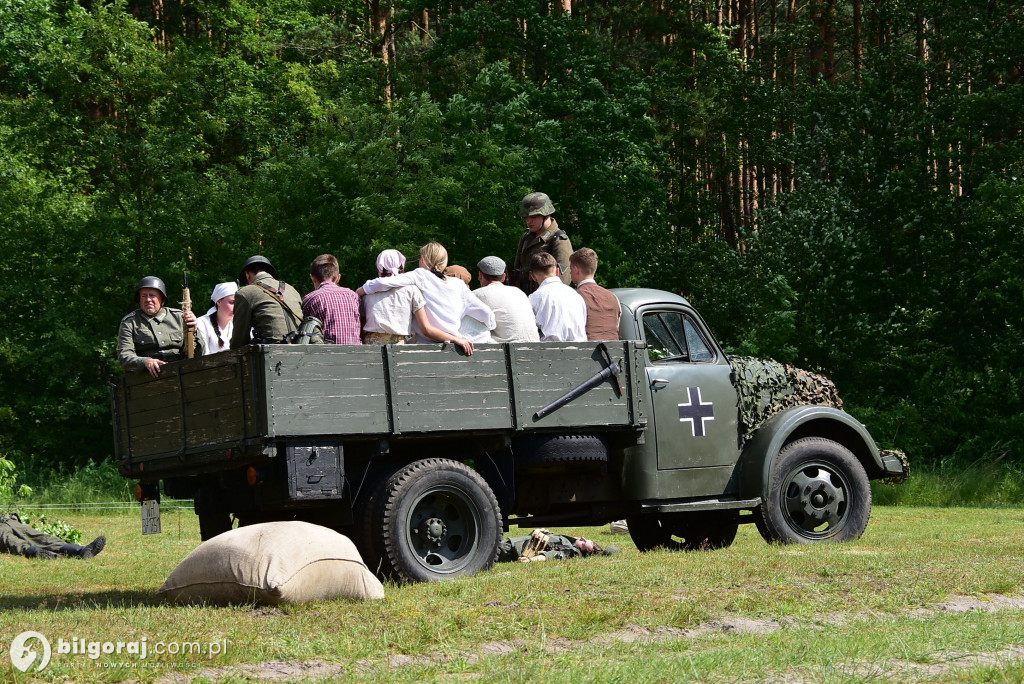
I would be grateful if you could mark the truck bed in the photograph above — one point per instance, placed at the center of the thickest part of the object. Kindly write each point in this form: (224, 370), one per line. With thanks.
(237, 404)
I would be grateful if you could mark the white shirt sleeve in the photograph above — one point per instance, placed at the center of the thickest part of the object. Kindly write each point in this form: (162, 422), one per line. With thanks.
(389, 282)
(479, 311)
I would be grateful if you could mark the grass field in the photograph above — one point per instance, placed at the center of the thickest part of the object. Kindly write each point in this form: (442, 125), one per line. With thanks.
(928, 594)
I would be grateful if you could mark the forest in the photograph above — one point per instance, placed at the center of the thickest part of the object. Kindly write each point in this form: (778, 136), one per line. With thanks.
(836, 184)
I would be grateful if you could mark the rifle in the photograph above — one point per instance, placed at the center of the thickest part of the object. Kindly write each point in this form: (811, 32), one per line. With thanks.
(186, 306)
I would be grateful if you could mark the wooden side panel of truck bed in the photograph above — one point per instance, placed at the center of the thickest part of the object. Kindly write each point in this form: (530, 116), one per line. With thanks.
(219, 406)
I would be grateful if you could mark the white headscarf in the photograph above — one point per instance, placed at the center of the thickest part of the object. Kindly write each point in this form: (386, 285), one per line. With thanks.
(220, 292)
(390, 262)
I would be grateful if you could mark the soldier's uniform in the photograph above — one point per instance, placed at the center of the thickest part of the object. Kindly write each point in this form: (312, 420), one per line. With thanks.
(553, 241)
(543, 543)
(259, 310)
(156, 337)
(558, 547)
(22, 540)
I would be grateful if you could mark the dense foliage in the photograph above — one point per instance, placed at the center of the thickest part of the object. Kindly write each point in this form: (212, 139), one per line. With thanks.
(836, 184)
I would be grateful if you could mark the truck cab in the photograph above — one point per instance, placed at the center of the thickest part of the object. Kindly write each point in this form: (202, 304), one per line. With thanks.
(721, 427)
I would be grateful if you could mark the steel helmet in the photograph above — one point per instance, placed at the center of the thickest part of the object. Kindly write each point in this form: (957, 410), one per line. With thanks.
(536, 204)
(153, 282)
(257, 259)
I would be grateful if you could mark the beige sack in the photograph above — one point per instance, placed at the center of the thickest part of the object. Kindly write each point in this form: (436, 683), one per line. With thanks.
(277, 562)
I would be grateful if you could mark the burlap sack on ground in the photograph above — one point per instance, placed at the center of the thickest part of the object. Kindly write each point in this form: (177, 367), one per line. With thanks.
(270, 563)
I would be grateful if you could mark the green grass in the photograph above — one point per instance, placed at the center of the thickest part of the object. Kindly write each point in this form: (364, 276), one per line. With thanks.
(988, 482)
(841, 612)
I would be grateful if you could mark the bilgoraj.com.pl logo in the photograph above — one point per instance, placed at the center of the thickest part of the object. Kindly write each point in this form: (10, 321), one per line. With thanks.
(31, 650)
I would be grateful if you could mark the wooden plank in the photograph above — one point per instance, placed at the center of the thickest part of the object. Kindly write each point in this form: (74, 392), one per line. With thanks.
(321, 388)
(440, 390)
(213, 411)
(546, 372)
(327, 389)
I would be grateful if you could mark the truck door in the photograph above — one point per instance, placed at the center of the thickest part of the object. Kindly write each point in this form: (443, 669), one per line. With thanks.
(694, 401)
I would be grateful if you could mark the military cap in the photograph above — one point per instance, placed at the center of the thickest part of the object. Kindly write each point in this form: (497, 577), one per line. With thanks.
(491, 266)
(536, 204)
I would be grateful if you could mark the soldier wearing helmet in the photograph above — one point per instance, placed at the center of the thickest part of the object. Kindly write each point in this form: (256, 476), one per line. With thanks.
(266, 309)
(154, 333)
(542, 235)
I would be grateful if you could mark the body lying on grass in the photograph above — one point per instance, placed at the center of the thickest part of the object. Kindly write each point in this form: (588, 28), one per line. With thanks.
(21, 540)
(541, 545)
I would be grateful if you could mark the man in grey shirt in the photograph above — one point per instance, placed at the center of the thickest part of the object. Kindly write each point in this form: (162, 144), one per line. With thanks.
(513, 315)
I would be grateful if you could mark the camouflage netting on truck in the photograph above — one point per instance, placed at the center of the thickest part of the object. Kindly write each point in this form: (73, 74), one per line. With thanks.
(768, 387)
(897, 479)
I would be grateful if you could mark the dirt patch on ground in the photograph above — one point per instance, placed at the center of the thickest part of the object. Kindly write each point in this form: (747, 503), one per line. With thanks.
(272, 671)
(906, 671)
(314, 670)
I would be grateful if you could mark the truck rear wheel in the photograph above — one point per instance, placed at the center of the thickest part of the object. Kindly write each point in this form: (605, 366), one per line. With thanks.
(818, 492)
(681, 532)
(439, 519)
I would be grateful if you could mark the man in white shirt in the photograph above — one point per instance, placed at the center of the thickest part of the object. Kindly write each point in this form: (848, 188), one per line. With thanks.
(561, 313)
(513, 315)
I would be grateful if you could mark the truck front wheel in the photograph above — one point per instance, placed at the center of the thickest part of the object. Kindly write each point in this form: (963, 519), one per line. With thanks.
(438, 520)
(818, 492)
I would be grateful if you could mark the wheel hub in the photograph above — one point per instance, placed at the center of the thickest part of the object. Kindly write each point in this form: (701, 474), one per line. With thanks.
(432, 531)
(814, 498)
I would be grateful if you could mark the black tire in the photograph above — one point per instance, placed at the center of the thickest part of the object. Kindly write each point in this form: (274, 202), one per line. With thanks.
(702, 532)
(682, 531)
(819, 492)
(651, 531)
(438, 520)
(211, 525)
(551, 449)
(367, 531)
(214, 517)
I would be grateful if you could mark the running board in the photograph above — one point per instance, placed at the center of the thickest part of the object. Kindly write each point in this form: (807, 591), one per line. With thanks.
(704, 505)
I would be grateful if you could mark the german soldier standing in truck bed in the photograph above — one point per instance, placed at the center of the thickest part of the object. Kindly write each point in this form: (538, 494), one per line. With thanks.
(269, 307)
(542, 235)
(154, 333)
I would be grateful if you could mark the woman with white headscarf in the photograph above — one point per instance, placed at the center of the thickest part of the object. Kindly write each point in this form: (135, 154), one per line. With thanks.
(399, 311)
(215, 327)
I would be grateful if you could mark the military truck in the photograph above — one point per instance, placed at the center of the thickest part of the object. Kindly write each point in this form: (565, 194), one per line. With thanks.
(425, 456)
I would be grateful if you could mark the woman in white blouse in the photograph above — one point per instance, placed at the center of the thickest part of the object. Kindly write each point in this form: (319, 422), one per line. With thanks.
(214, 329)
(398, 304)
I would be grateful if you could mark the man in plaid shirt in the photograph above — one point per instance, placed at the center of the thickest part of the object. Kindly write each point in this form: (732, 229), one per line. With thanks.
(337, 307)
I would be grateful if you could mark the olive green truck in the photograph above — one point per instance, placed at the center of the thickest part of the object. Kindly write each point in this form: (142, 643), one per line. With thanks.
(425, 456)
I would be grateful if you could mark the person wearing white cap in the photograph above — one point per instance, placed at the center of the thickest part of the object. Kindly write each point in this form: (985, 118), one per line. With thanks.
(513, 316)
(214, 328)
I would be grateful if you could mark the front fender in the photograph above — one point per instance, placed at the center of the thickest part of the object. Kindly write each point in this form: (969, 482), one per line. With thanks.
(760, 453)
